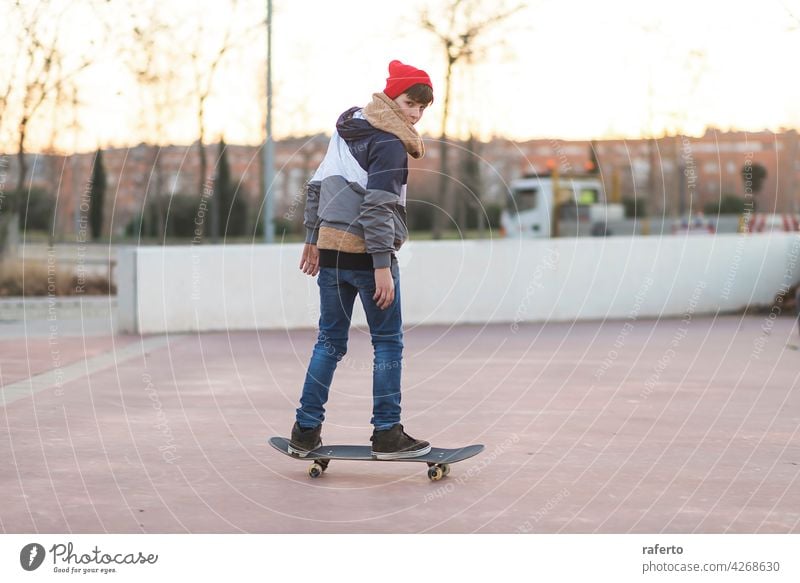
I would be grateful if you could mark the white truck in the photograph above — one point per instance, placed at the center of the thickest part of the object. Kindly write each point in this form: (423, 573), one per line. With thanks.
(578, 199)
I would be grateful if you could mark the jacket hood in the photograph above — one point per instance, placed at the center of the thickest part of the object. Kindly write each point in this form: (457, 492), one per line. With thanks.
(352, 128)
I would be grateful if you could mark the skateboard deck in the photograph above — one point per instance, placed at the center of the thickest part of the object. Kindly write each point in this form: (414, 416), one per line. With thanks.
(438, 459)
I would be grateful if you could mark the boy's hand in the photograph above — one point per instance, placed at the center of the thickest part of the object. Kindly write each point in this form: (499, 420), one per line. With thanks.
(309, 262)
(384, 288)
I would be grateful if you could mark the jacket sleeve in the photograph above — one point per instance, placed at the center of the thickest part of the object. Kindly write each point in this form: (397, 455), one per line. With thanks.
(385, 175)
(311, 213)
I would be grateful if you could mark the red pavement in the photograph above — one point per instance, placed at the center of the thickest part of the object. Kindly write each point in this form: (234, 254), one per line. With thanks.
(588, 427)
(23, 358)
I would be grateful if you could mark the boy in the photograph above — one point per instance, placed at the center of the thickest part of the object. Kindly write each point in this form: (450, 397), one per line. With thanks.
(355, 220)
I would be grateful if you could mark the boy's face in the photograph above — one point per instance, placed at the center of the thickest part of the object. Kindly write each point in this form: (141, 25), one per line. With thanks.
(412, 110)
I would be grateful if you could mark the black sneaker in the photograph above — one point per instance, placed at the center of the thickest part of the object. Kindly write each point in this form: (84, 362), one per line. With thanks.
(395, 443)
(304, 440)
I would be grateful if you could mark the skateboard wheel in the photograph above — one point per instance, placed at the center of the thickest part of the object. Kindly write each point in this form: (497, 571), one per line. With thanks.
(315, 470)
(435, 473)
(445, 468)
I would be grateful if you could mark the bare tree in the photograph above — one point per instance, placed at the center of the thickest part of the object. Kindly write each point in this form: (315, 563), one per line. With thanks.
(204, 77)
(64, 99)
(155, 60)
(171, 75)
(206, 58)
(461, 27)
(15, 58)
(695, 65)
(665, 188)
(40, 73)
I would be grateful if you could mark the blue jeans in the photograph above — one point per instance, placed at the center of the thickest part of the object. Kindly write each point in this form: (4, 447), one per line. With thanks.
(338, 289)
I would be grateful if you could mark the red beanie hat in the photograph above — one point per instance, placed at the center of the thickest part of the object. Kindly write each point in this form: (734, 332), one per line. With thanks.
(402, 76)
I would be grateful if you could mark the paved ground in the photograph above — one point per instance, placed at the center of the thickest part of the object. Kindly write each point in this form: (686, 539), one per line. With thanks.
(593, 427)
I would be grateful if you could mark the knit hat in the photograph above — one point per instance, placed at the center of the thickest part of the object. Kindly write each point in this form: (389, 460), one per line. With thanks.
(402, 76)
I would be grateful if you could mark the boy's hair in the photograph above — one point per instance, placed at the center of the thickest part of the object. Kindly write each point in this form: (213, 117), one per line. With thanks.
(420, 93)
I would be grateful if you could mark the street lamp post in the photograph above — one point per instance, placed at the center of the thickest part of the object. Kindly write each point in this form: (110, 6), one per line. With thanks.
(268, 152)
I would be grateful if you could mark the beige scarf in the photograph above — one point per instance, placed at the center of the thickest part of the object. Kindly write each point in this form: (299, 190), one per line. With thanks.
(384, 114)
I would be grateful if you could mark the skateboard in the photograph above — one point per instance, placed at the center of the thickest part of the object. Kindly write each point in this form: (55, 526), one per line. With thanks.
(438, 459)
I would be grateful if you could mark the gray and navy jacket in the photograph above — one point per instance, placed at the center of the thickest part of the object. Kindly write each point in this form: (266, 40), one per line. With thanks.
(355, 202)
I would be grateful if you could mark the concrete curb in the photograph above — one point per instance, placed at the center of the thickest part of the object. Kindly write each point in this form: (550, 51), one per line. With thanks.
(73, 308)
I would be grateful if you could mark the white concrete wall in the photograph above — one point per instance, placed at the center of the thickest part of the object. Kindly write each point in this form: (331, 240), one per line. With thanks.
(247, 287)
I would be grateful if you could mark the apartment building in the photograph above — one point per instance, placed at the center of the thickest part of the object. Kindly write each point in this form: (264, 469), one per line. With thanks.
(671, 173)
